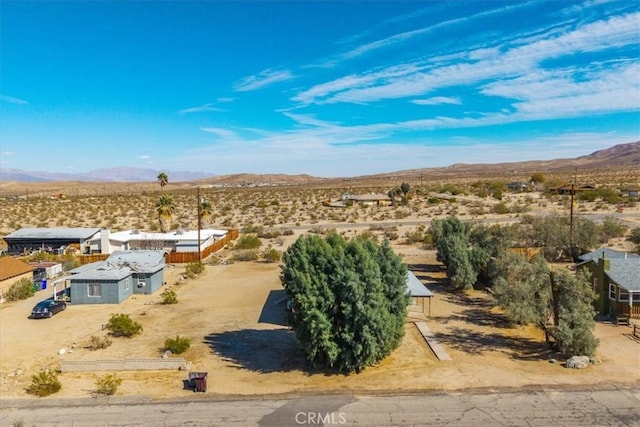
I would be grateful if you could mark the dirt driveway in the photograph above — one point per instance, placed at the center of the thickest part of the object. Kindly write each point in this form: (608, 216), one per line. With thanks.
(239, 336)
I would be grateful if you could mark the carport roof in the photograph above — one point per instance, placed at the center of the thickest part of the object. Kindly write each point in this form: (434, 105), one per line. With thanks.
(53, 233)
(415, 288)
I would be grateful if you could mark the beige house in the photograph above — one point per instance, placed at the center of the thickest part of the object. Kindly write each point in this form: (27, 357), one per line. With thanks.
(12, 270)
(368, 199)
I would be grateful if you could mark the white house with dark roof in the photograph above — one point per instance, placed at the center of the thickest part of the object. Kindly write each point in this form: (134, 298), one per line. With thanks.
(123, 274)
(176, 241)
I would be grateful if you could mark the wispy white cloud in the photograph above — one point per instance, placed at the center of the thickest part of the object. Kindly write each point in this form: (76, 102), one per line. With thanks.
(201, 109)
(144, 157)
(221, 133)
(436, 100)
(8, 153)
(518, 60)
(407, 36)
(12, 100)
(262, 79)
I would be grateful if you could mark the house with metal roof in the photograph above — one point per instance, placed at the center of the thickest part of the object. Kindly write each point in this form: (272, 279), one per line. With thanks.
(615, 277)
(368, 199)
(123, 274)
(49, 239)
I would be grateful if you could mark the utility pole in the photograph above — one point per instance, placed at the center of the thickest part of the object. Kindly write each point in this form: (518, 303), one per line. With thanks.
(573, 192)
(199, 215)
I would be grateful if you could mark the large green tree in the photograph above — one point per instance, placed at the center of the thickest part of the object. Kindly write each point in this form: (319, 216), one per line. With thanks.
(348, 300)
(451, 239)
(558, 240)
(558, 303)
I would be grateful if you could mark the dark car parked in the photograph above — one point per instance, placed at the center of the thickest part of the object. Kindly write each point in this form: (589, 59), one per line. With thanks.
(47, 308)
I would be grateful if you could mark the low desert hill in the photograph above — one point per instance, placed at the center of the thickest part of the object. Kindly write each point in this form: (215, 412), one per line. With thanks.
(622, 160)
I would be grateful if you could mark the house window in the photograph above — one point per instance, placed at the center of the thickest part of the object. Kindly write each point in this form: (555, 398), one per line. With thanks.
(126, 283)
(95, 289)
(624, 296)
(612, 292)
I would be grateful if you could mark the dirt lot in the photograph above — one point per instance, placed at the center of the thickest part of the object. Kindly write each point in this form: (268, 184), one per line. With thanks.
(239, 337)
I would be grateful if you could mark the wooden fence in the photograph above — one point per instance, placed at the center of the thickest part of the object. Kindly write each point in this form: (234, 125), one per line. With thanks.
(175, 257)
(88, 259)
(185, 257)
(527, 252)
(623, 309)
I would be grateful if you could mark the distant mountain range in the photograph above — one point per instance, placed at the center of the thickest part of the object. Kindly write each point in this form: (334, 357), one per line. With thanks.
(617, 156)
(122, 174)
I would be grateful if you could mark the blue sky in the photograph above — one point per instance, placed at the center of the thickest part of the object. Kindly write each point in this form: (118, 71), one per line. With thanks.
(328, 88)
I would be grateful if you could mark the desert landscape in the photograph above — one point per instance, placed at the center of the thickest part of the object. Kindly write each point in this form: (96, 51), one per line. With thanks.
(232, 311)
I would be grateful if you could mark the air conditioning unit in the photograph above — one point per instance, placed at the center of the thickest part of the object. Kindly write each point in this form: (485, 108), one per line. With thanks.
(142, 284)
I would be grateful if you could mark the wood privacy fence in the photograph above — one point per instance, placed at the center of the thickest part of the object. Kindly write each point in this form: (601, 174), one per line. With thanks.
(175, 257)
(527, 252)
(185, 257)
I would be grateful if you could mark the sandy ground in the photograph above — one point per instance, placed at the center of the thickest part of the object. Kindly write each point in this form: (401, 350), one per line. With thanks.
(239, 337)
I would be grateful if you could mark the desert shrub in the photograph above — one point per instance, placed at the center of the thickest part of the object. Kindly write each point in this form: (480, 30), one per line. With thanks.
(415, 236)
(44, 383)
(501, 208)
(635, 236)
(452, 189)
(611, 228)
(587, 196)
(609, 195)
(177, 345)
(248, 241)
(391, 235)
(246, 255)
(251, 229)
(22, 289)
(108, 384)
(121, 325)
(169, 297)
(98, 343)
(287, 232)
(194, 268)
(271, 255)
(270, 234)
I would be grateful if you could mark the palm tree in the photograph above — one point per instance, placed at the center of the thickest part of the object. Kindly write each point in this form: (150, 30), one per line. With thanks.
(393, 194)
(165, 208)
(405, 187)
(206, 210)
(163, 180)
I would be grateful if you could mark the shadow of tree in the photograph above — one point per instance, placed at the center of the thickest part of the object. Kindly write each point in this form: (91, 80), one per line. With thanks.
(273, 309)
(476, 343)
(430, 275)
(260, 350)
(482, 317)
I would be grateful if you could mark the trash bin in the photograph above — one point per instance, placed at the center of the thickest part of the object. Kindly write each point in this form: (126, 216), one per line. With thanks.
(43, 284)
(198, 380)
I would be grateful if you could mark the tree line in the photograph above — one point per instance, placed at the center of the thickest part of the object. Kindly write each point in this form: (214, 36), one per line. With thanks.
(530, 292)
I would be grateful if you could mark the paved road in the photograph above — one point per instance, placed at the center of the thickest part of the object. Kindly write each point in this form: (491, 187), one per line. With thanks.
(608, 406)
